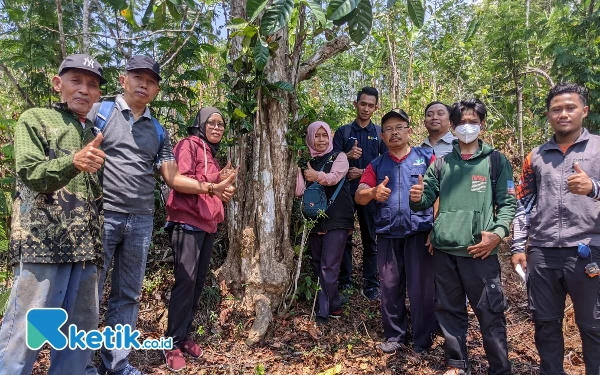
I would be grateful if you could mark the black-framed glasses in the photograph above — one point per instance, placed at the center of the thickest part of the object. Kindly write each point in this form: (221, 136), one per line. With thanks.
(215, 124)
(395, 129)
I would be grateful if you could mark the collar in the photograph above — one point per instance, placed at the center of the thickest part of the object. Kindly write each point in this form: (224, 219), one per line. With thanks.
(447, 138)
(358, 127)
(123, 106)
(63, 107)
(552, 145)
(456, 148)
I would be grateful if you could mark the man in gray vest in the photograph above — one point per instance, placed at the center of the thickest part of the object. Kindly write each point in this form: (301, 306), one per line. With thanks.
(557, 230)
(133, 148)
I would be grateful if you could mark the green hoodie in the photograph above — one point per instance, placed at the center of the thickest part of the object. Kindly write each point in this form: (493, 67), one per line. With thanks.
(466, 205)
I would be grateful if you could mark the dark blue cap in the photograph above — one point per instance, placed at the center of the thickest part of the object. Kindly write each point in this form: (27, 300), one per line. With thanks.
(143, 62)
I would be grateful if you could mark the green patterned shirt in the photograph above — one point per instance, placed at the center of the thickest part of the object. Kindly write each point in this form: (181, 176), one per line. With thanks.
(57, 212)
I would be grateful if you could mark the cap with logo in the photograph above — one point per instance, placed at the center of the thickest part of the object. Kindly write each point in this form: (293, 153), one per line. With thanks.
(396, 112)
(143, 62)
(82, 61)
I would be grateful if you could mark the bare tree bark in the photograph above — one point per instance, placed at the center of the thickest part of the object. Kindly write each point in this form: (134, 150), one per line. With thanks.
(520, 120)
(395, 92)
(326, 51)
(61, 32)
(591, 8)
(14, 81)
(85, 26)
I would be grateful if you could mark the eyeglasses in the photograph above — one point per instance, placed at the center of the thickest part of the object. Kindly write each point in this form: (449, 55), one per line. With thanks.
(218, 125)
(395, 129)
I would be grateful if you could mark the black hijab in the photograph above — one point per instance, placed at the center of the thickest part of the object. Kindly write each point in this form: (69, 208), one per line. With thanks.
(199, 127)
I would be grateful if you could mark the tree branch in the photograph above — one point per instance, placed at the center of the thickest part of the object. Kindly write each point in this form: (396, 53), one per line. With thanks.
(170, 59)
(540, 72)
(14, 81)
(326, 51)
(114, 37)
(61, 32)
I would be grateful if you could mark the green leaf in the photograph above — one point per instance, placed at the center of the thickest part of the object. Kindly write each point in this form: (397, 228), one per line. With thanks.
(208, 48)
(261, 54)
(416, 12)
(147, 13)
(237, 23)
(317, 11)
(254, 7)
(472, 29)
(238, 114)
(339, 8)
(173, 10)
(118, 4)
(276, 17)
(128, 15)
(361, 22)
(160, 15)
(282, 85)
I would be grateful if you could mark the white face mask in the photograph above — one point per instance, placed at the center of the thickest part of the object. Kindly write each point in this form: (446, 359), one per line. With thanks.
(467, 133)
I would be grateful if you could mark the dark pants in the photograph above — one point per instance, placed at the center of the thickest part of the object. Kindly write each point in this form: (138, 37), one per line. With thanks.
(192, 251)
(366, 221)
(406, 262)
(552, 273)
(327, 250)
(479, 280)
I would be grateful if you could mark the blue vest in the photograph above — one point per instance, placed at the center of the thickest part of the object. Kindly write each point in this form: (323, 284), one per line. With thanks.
(394, 218)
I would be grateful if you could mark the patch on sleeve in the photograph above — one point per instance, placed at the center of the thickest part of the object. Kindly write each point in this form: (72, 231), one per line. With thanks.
(478, 184)
(510, 187)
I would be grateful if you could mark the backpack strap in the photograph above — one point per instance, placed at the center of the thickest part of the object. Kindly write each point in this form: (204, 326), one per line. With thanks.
(340, 183)
(495, 166)
(106, 108)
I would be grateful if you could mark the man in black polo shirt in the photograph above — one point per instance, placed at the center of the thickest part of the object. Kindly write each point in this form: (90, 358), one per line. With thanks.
(361, 141)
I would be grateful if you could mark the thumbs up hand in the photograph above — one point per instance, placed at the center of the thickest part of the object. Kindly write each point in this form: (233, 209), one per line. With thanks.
(355, 152)
(416, 191)
(226, 171)
(381, 193)
(579, 182)
(90, 157)
(310, 174)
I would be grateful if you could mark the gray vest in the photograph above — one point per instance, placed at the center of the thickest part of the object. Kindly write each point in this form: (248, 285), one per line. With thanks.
(560, 218)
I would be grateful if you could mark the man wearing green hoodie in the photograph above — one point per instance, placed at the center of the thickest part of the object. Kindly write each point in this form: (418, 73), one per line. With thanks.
(477, 204)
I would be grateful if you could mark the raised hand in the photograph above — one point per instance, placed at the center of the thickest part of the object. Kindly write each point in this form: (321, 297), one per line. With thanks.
(90, 157)
(355, 152)
(579, 182)
(416, 191)
(224, 190)
(310, 174)
(226, 171)
(381, 192)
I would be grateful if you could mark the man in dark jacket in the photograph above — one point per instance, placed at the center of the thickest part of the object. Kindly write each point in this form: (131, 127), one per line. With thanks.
(558, 209)
(475, 187)
(361, 141)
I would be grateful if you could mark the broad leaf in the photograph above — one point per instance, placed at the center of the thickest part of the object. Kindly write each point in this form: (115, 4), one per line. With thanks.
(208, 48)
(147, 13)
(237, 23)
(254, 7)
(339, 8)
(282, 85)
(173, 10)
(261, 54)
(416, 12)
(317, 10)
(238, 114)
(160, 15)
(276, 17)
(128, 15)
(472, 29)
(361, 21)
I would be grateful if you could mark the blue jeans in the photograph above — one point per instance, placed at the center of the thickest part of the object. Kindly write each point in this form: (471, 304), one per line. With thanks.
(71, 286)
(127, 239)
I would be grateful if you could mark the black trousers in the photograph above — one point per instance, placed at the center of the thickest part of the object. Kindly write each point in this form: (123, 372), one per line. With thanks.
(192, 251)
(406, 262)
(479, 280)
(327, 250)
(366, 221)
(552, 273)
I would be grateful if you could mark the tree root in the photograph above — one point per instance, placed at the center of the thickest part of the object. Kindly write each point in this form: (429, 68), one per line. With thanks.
(264, 316)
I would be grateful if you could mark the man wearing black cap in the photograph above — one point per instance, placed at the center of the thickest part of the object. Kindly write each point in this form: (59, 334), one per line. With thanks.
(55, 241)
(402, 256)
(135, 143)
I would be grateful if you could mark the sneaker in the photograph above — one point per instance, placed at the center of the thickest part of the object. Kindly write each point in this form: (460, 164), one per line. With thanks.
(372, 294)
(191, 348)
(456, 371)
(128, 370)
(174, 359)
(390, 347)
(336, 314)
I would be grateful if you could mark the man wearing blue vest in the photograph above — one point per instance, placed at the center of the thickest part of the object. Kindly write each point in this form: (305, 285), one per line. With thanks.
(361, 142)
(402, 256)
(134, 144)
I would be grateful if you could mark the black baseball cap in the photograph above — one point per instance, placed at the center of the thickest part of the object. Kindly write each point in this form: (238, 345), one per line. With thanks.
(396, 112)
(82, 61)
(143, 62)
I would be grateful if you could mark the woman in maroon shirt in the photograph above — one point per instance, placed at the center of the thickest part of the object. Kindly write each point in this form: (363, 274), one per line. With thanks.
(192, 223)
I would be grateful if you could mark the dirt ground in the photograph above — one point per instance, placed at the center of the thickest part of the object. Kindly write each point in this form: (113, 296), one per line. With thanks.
(294, 345)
